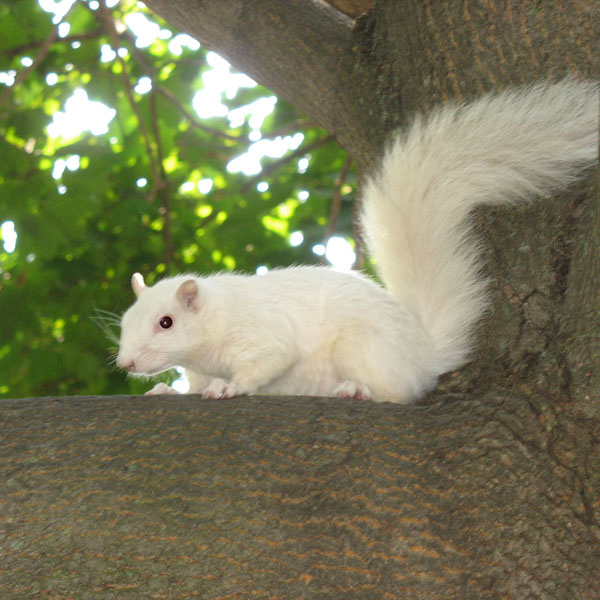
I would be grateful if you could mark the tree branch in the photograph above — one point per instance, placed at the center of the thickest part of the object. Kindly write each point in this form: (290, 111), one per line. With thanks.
(69, 39)
(297, 48)
(163, 191)
(151, 72)
(45, 48)
(461, 499)
(157, 182)
(301, 151)
(336, 203)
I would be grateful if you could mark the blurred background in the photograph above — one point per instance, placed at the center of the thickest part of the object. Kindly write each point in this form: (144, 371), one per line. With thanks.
(127, 146)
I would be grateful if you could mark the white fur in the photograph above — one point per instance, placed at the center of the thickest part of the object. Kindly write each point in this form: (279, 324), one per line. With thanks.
(313, 330)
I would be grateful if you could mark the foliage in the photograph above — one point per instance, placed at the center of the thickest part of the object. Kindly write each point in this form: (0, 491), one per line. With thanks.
(83, 231)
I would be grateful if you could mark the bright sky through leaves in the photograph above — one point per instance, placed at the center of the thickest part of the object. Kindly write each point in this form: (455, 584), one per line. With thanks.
(82, 113)
(9, 236)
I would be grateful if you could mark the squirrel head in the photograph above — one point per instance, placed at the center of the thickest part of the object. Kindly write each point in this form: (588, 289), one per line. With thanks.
(157, 331)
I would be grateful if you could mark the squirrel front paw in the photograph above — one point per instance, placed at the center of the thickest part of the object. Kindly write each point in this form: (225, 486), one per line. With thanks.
(219, 388)
(351, 389)
(161, 388)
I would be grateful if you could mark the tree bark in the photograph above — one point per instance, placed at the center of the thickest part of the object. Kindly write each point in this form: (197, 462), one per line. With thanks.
(470, 497)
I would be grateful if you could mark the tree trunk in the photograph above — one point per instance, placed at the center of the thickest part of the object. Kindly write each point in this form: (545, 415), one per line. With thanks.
(489, 488)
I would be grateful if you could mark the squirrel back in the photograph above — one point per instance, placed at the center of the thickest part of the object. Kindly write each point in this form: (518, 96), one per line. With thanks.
(515, 145)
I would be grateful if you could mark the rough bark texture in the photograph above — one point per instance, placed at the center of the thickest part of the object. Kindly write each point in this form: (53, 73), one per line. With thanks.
(492, 491)
(467, 498)
(352, 8)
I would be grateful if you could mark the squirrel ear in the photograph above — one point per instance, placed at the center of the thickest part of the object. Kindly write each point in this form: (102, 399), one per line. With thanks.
(187, 294)
(137, 284)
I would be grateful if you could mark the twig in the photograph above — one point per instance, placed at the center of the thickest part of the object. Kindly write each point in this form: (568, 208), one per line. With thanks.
(78, 37)
(164, 188)
(290, 127)
(151, 72)
(359, 246)
(336, 203)
(36, 61)
(192, 120)
(109, 25)
(266, 171)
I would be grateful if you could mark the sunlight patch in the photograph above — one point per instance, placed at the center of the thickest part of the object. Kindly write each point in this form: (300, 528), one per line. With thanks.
(60, 8)
(81, 114)
(339, 253)
(9, 236)
(249, 162)
(181, 41)
(145, 31)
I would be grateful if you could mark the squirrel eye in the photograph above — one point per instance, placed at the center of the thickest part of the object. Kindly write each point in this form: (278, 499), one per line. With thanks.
(165, 322)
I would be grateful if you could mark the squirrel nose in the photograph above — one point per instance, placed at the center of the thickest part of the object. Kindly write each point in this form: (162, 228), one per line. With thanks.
(128, 367)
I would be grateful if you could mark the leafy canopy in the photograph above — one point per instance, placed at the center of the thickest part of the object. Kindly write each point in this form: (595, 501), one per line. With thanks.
(139, 183)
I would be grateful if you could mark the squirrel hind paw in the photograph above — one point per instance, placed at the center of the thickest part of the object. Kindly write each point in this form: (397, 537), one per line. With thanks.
(351, 389)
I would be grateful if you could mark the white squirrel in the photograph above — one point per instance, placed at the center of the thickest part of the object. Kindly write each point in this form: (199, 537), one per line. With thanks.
(317, 331)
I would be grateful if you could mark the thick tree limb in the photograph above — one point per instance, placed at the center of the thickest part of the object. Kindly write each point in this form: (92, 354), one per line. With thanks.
(179, 497)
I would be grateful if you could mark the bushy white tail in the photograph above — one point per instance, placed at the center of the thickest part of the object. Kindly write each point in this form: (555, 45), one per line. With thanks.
(517, 144)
